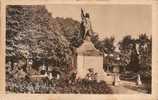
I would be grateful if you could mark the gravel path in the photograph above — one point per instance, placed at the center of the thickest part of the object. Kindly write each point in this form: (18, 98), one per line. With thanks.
(125, 87)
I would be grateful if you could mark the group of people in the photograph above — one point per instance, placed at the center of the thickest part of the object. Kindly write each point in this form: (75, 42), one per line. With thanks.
(91, 75)
(20, 81)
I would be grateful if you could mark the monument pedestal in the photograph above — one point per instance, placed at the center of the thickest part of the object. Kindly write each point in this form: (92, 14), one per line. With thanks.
(89, 57)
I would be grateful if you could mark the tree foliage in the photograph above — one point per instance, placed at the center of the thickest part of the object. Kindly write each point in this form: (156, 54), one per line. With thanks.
(31, 34)
(136, 54)
(70, 29)
(125, 47)
(106, 45)
(145, 54)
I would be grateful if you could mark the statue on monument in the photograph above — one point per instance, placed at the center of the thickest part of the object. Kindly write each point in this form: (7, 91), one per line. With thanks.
(86, 27)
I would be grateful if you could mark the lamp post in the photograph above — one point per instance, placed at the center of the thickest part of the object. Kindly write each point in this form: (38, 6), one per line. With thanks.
(116, 70)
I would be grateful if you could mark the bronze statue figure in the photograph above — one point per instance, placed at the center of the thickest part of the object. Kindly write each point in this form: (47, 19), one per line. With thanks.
(86, 27)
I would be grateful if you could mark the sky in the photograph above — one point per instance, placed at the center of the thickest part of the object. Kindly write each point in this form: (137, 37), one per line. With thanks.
(109, 20)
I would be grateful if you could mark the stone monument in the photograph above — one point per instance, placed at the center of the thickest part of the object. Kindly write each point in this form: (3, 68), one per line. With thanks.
(87, 55)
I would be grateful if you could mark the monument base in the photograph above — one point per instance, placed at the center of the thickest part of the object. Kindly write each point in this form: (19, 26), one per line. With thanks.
(89, 57)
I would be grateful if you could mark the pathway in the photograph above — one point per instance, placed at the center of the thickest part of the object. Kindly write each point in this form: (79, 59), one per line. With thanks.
(125, 87)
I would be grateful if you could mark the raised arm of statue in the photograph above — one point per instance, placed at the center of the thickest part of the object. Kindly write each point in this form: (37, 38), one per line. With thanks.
(82, 14)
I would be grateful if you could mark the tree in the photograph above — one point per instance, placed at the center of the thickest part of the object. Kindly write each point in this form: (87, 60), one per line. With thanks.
(108, 45)
(70, 29)
(126, 46)
(145, 55)
(30, 34)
